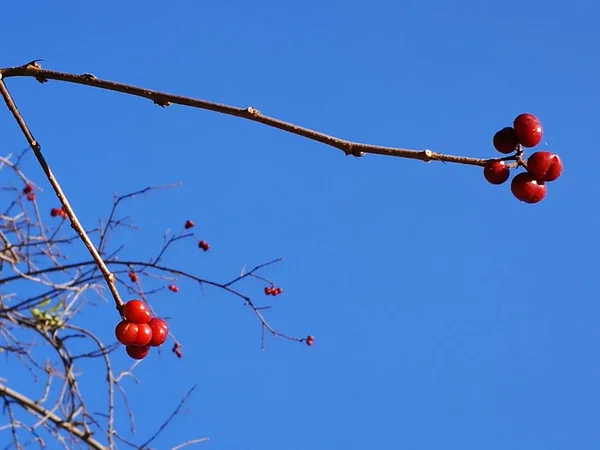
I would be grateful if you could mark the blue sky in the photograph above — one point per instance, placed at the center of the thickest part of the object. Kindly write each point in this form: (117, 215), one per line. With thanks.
(447, 314)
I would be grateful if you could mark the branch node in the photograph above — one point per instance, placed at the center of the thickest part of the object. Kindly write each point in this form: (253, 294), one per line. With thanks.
(428, 156)
(350, 150)
(162, 103)
(253, 111)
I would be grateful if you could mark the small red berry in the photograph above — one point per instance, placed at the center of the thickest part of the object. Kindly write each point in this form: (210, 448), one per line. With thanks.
(173, 288)
(203, 245)
(544, 166)
(189, 224)
(133, 277)
(529, 130)
(137, 352)
(277, 291)
(310, 340)
(55, 212)
(62, 213)
(506, 140)
(496, 172)
(28, 189)
(160, 331)
(31, 196)
(126, 332)
(268, 290)
(527, 189)
(136, 311)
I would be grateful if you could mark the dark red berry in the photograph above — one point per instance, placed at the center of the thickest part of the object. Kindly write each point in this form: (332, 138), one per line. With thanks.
(544, 166)
(137, 352)
(527, 189)
(506, 140)
(173, 288)
(28, 189)
(529, 130)
(189, 224)
(496, 172)
(310, 340)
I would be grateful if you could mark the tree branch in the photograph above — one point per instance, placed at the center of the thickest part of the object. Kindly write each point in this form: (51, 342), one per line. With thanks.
(34, 70)
(32, 406)
(75, 224)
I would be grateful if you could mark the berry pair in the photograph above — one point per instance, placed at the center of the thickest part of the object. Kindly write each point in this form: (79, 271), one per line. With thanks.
(272, 290)
(28, 191)
(58, 212)
(542, 167)
(203, 245)
(139, 331)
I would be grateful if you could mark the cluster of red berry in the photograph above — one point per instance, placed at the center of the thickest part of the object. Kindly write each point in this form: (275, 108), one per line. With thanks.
(189, 224)
(133, 277)
(310, 340)
(272, 290)
(139, 331)
(28, 191)
(542, 167)
(58, 212)
(203, 245)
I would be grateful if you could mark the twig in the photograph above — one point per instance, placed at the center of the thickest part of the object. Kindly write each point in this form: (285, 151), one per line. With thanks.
(34, 70)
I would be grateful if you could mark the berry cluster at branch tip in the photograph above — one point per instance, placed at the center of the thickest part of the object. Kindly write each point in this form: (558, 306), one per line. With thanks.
(541, 167)
(133, 277)
(272, 290)
(173, 288)
(189, 224)
(139, 331)
(310, 340)
(203, 245)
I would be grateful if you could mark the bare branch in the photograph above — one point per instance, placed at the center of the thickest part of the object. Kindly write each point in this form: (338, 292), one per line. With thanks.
(32, 406)
(34, 70)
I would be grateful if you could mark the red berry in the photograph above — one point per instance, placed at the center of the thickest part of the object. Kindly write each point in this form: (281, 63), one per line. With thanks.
(506, 140)
(529, 130)
(31, 196)
(160, 331)
(173, 288)
(268, 290)
(133, 277)
(544, 166)
(144, 335)
(277, 291)
(203, 245)
(136, 311)
(137, 352)
(310, 340)
(189, 224)
(28, 189)
(55, 212)
(126, 332)
(496, 172)
(527, 189)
